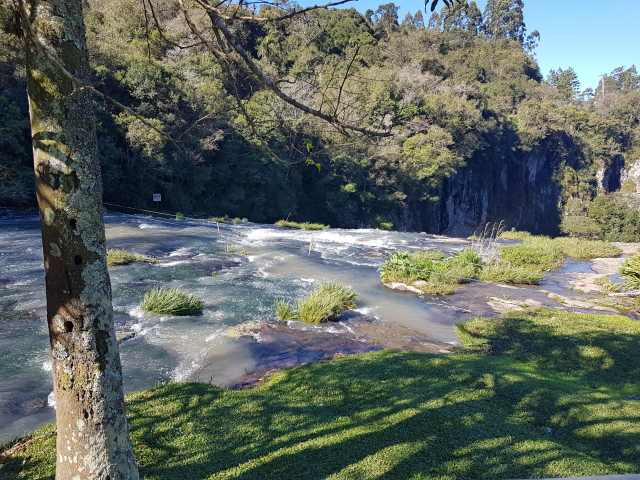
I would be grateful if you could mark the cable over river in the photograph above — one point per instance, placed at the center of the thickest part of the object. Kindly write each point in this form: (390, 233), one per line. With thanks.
(237, 339)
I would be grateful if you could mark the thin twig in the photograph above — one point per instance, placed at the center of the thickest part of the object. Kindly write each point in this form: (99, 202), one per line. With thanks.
(265, 19)
(217, 22)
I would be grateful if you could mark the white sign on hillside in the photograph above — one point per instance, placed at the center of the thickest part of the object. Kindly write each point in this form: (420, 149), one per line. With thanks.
(157, 197)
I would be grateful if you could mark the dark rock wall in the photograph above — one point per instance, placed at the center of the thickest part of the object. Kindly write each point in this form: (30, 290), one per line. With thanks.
(522, 193)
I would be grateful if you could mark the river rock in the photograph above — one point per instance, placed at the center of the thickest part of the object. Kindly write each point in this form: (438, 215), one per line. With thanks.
(403, 287)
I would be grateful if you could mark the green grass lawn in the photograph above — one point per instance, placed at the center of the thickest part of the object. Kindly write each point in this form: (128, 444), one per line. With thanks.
(550, 401)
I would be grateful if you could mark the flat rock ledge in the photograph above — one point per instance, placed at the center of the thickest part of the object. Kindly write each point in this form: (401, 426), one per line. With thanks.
(277, 345)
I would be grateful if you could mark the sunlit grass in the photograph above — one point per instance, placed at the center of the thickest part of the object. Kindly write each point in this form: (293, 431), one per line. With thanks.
(326, 302)
(122, 257)
(303, 226)
(172, 301)
(285, 310)
(550, 401)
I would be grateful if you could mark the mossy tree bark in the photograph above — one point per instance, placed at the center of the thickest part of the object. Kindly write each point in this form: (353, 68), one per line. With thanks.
(93, 438)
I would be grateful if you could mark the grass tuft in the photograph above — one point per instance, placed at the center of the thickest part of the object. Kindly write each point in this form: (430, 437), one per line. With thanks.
(180, 217)
(172, 301)
(630, 271)
(285, 310)
(303, 226)
(513, 234)
(431, 272)
(326, 302)
(122, 257)
(504, 272)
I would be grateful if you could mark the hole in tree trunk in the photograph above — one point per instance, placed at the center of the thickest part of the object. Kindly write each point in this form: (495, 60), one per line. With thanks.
(72, 223)
(77, 260)
(68, 326)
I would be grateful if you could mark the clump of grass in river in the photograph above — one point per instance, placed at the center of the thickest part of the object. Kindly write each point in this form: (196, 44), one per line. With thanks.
(172, 301)
(326, 302)
(579, 248)
(180, 217)
(303, 226)
(431, 272)
(285, 310)
(122, 257)
(504, 272)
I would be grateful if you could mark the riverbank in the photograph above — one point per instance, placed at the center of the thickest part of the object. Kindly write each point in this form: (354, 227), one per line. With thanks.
(535, 393)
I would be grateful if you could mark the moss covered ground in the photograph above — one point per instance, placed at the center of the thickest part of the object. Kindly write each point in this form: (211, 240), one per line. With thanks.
(536, 394)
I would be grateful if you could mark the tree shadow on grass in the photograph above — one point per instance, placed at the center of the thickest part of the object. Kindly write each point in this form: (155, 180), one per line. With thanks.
(389, 414)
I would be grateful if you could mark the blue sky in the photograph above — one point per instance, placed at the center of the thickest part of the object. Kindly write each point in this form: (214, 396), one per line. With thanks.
(592, 36)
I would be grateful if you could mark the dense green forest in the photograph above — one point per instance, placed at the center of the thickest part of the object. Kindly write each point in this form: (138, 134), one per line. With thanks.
(479, 133)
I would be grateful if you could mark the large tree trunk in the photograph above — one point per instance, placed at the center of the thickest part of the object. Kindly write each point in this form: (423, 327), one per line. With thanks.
(93, 436)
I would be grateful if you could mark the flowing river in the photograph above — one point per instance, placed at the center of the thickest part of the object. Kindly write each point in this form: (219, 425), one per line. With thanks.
(279, 264)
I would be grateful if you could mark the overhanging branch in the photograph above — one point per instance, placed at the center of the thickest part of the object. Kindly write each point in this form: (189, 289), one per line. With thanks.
(219, 23)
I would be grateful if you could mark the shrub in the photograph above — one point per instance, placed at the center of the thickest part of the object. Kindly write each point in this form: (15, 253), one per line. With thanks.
(180, 217)
(581, 227)
(382, 223)
(236, 221)
(217, 220)
(245, 251)
(245, 220)
(172, 301)
(285, 310)
(327, 302)
(304, 226)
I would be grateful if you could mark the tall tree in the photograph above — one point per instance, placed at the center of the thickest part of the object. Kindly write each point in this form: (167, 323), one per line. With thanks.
(504, 19)
(418, 20)
(93, 436)
(566, 83)
(462, 16)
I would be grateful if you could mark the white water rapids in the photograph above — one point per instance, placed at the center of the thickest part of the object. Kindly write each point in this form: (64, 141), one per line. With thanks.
(278, 266)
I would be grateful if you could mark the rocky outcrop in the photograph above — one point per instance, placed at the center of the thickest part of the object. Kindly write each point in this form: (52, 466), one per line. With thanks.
(633, 173)
(521, 192)
(609, 178)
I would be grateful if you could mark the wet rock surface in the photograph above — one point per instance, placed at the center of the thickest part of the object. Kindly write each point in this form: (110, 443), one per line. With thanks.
(277, 345)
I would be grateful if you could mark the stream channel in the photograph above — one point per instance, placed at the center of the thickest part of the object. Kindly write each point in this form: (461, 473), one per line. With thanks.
(281, 264)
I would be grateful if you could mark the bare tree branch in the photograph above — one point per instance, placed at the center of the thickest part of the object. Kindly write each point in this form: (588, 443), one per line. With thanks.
(257, 19)
(346, 75)
(217, 22)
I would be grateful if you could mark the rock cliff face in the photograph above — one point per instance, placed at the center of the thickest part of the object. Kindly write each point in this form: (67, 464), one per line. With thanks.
(610, 178)
(632, 174)
(522, 193)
